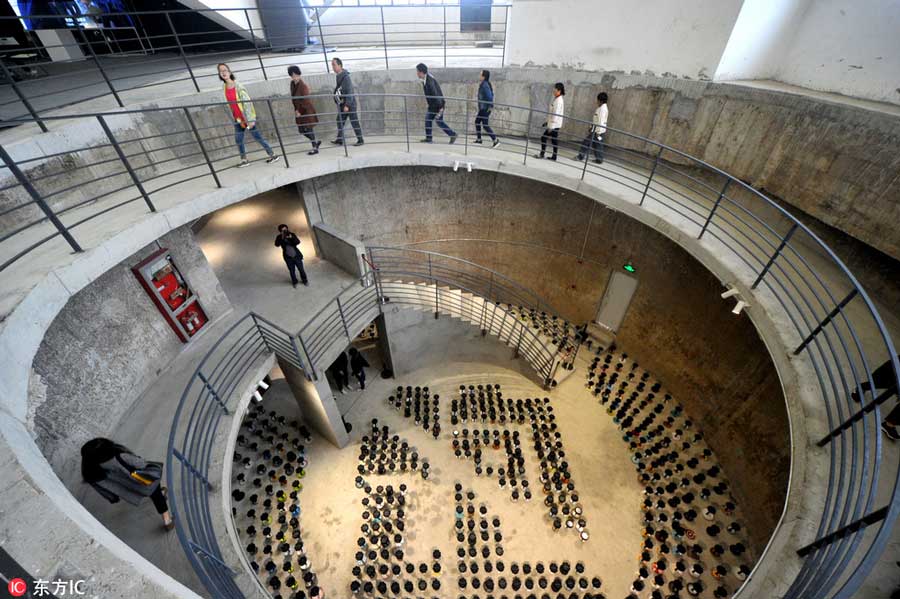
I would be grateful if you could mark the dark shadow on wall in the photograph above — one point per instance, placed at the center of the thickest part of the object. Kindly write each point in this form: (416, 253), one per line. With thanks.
(564, 246)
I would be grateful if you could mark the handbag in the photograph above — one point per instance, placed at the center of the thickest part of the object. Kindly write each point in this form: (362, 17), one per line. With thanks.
(147, 475)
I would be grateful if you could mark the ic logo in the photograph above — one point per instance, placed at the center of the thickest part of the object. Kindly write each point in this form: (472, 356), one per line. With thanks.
(17, 587)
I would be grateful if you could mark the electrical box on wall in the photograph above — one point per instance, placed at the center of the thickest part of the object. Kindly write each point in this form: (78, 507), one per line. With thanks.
(170, 292)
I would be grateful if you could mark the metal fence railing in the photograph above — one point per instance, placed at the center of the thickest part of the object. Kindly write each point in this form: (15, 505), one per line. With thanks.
(159, 157)
(139, 55)
(215, 387)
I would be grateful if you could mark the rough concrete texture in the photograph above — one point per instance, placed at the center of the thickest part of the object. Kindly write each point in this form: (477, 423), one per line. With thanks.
(105, 347)
(564, 247)
(339, 249)
(315, 400)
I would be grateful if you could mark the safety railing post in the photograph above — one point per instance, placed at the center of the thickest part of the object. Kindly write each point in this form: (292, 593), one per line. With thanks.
(322, 41)
(191, 468)
(384, 39)
(505, 29)
(124, 159)
(406, 121)
(445, 36)
(212, 170)
(343, 320)
(834, 312)
(181, 51)
(278, 134)
(527, 135)
(312, 366)
(652, 172)
(30, 190)
(259, 332)
(213, 393)
(87, 42)
(255, 45)
(466, 129)
(587, 155)
(21, 95)
(712, 211)
(777, 253)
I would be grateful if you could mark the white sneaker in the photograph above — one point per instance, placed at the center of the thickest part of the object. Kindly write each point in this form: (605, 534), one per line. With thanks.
(243, 163)
(496, 143)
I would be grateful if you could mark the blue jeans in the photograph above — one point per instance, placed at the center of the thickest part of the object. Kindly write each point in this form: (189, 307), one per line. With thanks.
(591, 143)
(439, 118)
(239, 139)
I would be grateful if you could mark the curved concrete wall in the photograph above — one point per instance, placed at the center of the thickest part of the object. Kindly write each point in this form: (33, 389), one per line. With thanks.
(563, 246)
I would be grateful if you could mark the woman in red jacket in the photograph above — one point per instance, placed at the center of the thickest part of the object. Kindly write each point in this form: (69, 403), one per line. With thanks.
(304, 111)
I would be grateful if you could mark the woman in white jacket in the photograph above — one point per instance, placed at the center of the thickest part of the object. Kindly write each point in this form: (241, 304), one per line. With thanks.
(594, 139)
(554, 121)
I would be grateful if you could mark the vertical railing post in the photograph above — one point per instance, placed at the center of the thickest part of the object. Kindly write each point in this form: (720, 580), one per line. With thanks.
(22, 97)
(587, 154)
(384, 39)
(445, 36)
(343, 320)
(312, 366)
(715, 206)
(521, 332)
(650, 178)
(100, 68)
(505, 29)
(834, 312)
(255, 45)
(124, 159)
(466, 128)
(406, 120)
(259, 331)
(527, 135)
(215, 394)
(278, 133)
(777, 253)
(191, 468)
(181, 51)
(322, 41)
(212, 170)
(45, 208)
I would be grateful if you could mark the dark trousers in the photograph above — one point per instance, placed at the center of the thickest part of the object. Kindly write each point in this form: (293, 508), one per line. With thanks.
(354, 122)
(592, 143)
(481, 120)
(308, 132)
(295, 263)
(361, 377)
(437, 117)
(553, 134)
(159, 500)
(341, 377)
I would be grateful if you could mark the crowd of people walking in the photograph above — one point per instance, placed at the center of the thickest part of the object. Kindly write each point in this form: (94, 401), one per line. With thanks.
(346, 102)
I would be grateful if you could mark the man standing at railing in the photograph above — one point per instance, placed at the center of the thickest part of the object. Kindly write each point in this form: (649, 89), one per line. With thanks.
(290, 251)
(435, 98)
(346, 103)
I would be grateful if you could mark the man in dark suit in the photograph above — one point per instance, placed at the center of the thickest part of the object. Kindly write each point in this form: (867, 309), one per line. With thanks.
(290, 251)
(435, 98)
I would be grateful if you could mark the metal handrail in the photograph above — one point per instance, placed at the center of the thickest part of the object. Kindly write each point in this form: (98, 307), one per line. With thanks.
(384, 35)
(836, 324)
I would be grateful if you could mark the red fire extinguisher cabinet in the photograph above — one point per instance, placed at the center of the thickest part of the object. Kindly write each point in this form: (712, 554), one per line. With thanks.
(159, 276)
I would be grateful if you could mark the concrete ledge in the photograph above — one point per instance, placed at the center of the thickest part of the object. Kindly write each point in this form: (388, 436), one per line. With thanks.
(24, 329)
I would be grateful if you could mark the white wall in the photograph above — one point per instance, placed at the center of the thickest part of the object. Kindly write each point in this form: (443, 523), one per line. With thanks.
(761, 38)
(844, 46)
(234, 20)
(851, 47)
(683, 38)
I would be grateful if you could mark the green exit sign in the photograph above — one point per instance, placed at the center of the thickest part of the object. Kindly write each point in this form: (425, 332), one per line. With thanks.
(629, 267)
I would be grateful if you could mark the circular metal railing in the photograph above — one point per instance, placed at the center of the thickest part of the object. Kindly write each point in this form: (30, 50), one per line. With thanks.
(137, 160)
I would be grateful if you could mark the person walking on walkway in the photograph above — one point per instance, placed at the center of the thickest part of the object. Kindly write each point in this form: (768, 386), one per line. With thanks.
(358, 365)
(304, 111)
(485, 106)
(290, 251)
(117, 473)
(594, 139)
(244, 114)
(340, 372)
(346, 103)
(883, 377)
(554, 122)
(435, 99)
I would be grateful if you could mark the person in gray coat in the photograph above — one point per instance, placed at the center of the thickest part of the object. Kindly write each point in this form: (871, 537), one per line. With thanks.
(116, 473)
(346, 103)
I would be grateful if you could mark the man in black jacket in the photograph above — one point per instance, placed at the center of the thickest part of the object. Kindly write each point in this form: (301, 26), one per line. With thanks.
(290, 251)
(435, 98)
(346, 103)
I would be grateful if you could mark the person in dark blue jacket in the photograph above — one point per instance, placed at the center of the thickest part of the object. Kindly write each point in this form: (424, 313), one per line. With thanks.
(485, 105)
(435, 100)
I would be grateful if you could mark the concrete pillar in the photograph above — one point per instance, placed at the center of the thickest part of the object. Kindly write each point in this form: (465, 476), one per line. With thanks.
(316, 402)
(393, 320)
(384, 345)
